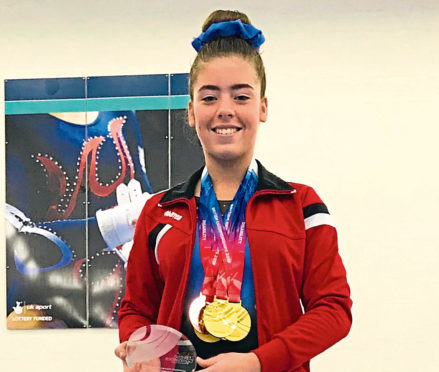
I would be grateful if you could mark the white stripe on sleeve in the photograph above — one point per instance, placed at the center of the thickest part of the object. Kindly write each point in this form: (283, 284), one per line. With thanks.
(317, 220)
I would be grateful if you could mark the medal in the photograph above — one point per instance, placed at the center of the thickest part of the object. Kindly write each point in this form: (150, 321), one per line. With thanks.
(206, 337)
(196, 317)
(195, 312)
(242, 325)
(222, 242)
(219, 318)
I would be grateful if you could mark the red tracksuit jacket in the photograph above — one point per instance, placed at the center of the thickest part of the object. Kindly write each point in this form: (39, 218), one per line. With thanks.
(295, 262)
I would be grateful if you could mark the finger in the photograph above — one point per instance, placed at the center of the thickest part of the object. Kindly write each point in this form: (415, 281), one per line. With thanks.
(136, 367)
(120, 350)
(122, 194)
(206, 362)
(208, 369)
(134, 189)
(152, 365)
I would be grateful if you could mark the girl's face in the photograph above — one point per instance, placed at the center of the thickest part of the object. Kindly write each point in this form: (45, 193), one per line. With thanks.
(226, 108)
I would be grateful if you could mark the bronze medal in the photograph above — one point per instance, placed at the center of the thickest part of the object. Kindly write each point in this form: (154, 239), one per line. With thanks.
(195, 311)
(196, 317)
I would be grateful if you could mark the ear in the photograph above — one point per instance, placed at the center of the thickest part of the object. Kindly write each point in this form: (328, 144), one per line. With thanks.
(190, 114)
(263, 110)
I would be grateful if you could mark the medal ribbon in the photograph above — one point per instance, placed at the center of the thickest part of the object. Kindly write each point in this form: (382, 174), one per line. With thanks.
(222, 240)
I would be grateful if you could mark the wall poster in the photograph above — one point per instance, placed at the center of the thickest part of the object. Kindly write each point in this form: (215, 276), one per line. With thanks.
(77, 148)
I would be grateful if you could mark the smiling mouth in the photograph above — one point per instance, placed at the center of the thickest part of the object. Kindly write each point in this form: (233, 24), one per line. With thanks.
(226, 131)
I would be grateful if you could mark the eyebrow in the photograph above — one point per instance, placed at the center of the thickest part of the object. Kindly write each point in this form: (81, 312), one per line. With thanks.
(234, 87)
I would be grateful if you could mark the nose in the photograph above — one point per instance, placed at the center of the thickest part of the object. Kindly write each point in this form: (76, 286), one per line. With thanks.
(225, 111)
(225, 114)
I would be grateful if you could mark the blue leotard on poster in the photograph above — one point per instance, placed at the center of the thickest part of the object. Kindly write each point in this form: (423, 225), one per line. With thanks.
(50, 163)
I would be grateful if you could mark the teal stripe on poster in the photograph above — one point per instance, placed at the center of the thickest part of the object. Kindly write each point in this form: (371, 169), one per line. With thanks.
(41, 107)
(97, 104)
(138, 103)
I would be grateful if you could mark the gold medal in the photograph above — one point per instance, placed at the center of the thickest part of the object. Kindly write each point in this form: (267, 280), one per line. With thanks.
(242, 325)
(220, 318)
(206, 337)
(217, 327)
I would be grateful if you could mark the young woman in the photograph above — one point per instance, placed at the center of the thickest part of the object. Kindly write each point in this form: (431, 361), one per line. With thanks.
(245, 264)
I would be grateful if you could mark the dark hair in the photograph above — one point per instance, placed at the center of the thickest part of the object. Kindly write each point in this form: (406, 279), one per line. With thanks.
(227, 46)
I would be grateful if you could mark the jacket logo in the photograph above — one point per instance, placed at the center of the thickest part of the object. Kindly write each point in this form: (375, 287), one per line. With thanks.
(173, 215)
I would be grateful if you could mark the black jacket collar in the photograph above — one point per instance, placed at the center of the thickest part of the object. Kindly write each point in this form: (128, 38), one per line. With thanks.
(186, 190)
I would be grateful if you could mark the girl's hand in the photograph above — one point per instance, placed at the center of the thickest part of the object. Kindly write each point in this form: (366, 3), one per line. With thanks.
(236, 362)
(121, 353)
(149, 366)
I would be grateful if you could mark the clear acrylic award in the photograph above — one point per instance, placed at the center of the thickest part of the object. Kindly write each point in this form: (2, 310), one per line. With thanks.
(160, 348)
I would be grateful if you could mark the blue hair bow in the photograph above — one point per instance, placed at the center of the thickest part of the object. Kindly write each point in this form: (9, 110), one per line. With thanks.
(230, 28)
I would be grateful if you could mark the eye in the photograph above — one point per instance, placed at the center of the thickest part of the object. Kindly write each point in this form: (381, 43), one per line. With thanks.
(242, 97)
(208, 99)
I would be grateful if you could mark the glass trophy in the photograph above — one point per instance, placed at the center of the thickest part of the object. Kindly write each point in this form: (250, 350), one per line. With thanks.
(160, 348)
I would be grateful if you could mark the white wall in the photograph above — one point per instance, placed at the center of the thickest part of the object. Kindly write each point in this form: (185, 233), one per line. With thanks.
(353, 90)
